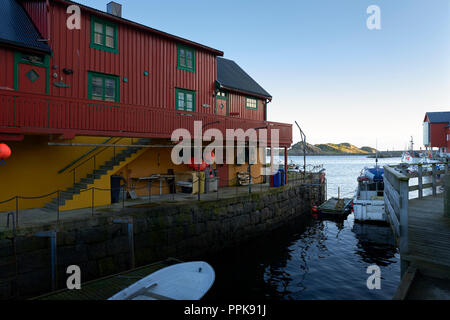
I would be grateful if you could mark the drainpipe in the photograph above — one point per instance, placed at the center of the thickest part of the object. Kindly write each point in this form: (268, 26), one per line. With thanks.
(52, 236)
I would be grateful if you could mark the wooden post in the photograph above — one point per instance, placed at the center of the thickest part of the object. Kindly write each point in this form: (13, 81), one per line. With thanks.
(285, 165)
(434, 179)
(420, 182)
(403, 245)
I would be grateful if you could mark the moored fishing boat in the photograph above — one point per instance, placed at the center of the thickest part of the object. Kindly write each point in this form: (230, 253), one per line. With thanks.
(368, 202)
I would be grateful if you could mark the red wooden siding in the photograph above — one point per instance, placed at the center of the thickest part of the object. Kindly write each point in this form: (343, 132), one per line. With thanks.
(32, 113)
(37, 10)
(146, 107)
(237, 104)
(438, 135)
(139, 51)
(6, 68)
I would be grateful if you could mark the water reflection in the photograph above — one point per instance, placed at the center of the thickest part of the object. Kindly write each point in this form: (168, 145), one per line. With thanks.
(320, 259)
(376, 244)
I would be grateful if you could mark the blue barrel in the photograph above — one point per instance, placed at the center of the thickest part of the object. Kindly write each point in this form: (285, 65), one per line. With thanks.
(282, 177)
(277, 179)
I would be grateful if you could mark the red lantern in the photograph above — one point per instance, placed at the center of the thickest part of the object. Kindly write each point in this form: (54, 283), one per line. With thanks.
(5, 151)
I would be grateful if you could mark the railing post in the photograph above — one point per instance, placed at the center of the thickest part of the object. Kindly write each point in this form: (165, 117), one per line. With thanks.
(420, 177)
(57, 207)
(434, 178)
(404, 199)
(17, 211)
(93, 191)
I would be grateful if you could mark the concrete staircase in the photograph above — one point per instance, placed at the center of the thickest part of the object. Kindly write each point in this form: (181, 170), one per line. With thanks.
(69, 193)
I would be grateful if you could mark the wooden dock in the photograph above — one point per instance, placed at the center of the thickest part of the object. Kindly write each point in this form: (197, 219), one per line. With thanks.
(104, 288)
(422, 230)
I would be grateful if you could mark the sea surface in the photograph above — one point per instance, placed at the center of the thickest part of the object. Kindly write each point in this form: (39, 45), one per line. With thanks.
(318, 260)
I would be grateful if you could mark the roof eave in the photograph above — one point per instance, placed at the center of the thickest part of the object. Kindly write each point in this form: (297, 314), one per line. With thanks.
(221, 86)
(143, 27)
(19, 45)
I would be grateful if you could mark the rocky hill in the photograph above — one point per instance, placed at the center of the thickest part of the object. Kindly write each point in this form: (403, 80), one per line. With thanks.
(329, 148)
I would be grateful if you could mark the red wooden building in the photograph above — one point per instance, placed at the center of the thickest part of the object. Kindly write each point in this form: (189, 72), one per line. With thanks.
(436, 131)
(112, 77)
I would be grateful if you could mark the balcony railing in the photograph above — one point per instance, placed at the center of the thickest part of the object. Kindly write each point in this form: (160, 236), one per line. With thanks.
(30, 113)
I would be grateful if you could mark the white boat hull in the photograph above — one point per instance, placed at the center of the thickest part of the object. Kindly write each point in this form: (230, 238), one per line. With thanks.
(183, 281)
(369, 210)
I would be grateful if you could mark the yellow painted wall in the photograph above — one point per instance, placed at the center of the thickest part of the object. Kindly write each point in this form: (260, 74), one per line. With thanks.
(233, 170)
(32, 169)
(153, 161)
(102, 192)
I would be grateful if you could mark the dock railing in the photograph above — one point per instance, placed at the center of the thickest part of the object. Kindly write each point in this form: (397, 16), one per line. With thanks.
(397, 190)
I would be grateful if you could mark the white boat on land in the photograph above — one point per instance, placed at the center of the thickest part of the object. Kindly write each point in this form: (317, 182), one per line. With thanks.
(368, 202)
(182, 281)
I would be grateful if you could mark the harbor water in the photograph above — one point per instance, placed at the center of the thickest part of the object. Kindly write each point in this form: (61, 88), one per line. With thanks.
(319, 259)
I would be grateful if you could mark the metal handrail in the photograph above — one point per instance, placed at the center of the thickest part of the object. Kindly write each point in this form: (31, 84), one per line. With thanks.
(94, 156)
(82, 156)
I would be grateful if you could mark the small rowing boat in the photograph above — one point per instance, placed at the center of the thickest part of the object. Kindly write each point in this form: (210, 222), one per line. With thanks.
(182, 281)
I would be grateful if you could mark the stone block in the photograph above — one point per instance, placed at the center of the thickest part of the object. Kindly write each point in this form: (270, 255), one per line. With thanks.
(93, 235)
(6, 248)
(106, 266)
(96, 251)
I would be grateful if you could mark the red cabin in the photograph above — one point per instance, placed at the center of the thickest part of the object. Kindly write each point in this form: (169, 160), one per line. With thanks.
(436, 131)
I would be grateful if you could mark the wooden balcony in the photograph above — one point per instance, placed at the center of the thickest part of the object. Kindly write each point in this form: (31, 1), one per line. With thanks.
(22, 113)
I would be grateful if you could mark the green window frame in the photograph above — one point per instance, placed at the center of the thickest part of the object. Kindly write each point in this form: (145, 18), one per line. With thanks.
(251, 103)
(103, 87)
(34, 60)
(186, 58)
(185, 100)
(104, 35)
(221, 96)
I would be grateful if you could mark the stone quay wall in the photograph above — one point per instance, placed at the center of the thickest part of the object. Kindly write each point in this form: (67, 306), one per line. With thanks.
(100, 246)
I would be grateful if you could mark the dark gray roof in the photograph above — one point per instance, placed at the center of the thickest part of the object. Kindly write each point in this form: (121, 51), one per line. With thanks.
(438, 117)
(17, 29)
(231, 76)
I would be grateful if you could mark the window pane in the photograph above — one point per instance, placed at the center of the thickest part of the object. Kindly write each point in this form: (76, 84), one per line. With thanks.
(189, 59)
(109, 42)
(98, 27)
(180, 100)
(110, 90)
(109, 31)
(189, 102)
(98, 38)
(252, 103)
(97, 88)
(98, 33)
(182, 58)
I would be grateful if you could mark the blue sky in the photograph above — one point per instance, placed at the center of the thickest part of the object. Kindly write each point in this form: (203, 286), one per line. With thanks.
(324, 68)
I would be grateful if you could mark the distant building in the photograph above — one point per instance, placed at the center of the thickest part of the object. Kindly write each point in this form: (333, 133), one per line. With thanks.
(436, 131)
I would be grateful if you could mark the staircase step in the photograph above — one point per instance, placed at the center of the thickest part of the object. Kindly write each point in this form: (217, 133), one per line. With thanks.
(73, 190)
(100, 171)
(87, 180)
(93, 176)
(80, 185)
(66, 195)
(111, 163)
(106, 167)
(61, 201)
